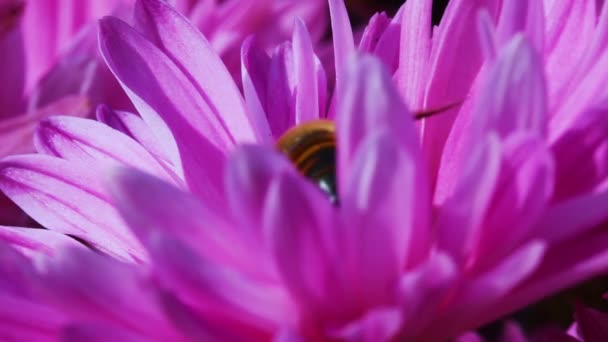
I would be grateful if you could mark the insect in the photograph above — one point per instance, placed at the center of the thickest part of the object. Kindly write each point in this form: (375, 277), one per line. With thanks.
(311, 147)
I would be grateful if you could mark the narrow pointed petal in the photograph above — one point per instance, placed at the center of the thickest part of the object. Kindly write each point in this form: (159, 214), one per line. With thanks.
(96, 332)
(511, 98)
(299, 217)
(386, 216)
(161, 91)
(134, 126)
(255, 66)
(250, 171)
(456, 58)
(415, 51)
(149, 205)
(307, 101)
(461, 215)
(343, 41)
(70, 199)
(581, 155)
(592, 324)
(169, 30)
(369, 102)
(92, 143)
(33, 241)
(526, 181)
(77, 282)
(217, 290)
(377, 325)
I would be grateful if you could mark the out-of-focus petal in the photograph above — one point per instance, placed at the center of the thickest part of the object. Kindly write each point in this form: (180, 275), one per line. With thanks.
(33, 241)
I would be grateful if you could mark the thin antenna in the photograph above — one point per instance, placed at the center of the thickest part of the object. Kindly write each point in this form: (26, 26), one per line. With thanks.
(423, 114)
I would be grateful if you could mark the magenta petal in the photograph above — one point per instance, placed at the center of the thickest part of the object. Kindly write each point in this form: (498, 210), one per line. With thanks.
(255, 66)
(343, 41)
(581, 155)
(386, 218)
(526, 182)
(150, 205)
(12, 61)
(415, 51)
(368, 102)
(98, 332)
(94, 144)
(462, 213)
(192, 54)
(592, 324)
(25, 320)
(16, 132)
(522, 16)
(497, 282)
(307, 101)
(377, 325)
(250, 171)
(134, 126)
(572, 217)
(33, 242)
(195, 326)
(68, 198)
(514, 96)
(423, 289)
(299, 217)
(161, 91)
(456, 58)
(84, 285)
(218, 291)
(512, 332)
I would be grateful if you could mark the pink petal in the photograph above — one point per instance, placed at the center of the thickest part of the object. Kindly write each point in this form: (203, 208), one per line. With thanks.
(524, 189)
(307, 101)
(377, 325)
(16, 134)
(68, 198)
(280, 91)
(255, 66)
(12, 63)
(94, 144)
(415, 51)
(572, 217)
(423, 290)
(462, 214)
(514, 96)
(592, 324)
(581, 154)
(217, 291)
(98, 332)
(161, 91)
(134, 126)
(25, 320)
(511, 98)
(33, 241)
(382, 209)
(195, 326)
(369, 101)
(84, 285)
(192, 54)
(455, 60)
(520, 16)
(343, 42)
(299, 217)
(249, 174)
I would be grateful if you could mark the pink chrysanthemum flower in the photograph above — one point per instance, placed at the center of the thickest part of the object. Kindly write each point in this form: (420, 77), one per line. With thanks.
(234, 243)
(52, 61)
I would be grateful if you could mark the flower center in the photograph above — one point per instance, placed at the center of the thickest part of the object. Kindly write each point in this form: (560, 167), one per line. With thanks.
(311, 147)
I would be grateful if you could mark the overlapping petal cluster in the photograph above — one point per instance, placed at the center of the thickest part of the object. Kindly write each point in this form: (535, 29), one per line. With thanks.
(204, 231)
